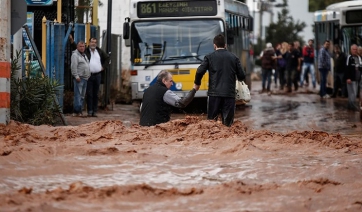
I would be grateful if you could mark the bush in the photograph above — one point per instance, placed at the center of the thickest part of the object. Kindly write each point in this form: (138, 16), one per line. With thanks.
(33, 98)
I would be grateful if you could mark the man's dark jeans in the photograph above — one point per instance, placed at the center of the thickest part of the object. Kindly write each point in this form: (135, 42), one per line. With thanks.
(93, 84)
(223, 105)
(323, 85)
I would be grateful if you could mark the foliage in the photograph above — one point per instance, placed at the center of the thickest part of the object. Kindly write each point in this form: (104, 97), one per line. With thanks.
(285, 29)
(32, 99)
(321, 5)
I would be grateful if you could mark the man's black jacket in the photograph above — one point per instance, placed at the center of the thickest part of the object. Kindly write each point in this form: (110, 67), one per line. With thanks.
(224, 67)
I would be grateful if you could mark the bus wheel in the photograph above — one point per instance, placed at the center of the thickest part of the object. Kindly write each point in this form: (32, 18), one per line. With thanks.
(137, 104)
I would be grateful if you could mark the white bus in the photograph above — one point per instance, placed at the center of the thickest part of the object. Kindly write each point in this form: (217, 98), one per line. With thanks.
(176, 35)
(340, 23)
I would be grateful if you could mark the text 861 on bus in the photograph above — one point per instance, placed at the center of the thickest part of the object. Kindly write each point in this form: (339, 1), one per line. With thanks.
(176, 35)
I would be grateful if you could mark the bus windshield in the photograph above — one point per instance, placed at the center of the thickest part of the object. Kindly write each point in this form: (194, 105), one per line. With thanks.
(173, 41)
(351, 35)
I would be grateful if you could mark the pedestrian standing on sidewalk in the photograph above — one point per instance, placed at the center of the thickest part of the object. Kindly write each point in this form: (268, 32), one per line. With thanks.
(80, 71)
(98, 63)
(301, 62)
(353, 76)
(308, 64)
(293, 60)
(339, 59)
(360, 81)
(268, 58)
(324, 66)
(281, 63)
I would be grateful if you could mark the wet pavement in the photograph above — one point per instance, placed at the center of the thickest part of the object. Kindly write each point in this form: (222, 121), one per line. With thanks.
(302, 110)
(281, 112)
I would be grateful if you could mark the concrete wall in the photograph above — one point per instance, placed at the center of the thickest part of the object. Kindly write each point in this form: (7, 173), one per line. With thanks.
(120, 10)
(120, 91)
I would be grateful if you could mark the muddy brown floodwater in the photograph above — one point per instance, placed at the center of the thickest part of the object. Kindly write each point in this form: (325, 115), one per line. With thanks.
(283, 153)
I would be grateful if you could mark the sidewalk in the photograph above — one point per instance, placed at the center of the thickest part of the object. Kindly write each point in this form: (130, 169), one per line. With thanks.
(126, 113)
(256, 87)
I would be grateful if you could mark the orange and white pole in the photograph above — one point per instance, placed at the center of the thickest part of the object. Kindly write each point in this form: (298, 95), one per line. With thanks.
(5, 71)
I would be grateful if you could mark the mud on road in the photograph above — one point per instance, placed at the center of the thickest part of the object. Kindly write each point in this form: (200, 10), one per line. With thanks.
(278, 112)
(283, 153)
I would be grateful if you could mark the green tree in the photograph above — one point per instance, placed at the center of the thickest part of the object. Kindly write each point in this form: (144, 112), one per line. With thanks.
(285, 29)
(321, 5)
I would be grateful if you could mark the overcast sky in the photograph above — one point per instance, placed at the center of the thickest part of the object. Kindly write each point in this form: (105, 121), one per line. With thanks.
(298, 9)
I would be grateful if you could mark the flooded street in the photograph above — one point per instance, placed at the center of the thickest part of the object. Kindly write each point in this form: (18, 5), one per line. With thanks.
(279, 112)
(284, 113)
(301, 110)
(291, 152)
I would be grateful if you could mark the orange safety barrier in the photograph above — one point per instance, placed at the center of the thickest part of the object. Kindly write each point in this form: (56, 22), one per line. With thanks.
(4, 100)
(4, 96)
(5, 70)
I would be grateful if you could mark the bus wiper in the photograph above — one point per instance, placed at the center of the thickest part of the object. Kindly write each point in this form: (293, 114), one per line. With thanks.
(186, 56)
(198, 47)
(173, 58)
(160, 60)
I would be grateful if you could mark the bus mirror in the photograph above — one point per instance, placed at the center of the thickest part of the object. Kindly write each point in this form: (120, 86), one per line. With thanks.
(126, 29)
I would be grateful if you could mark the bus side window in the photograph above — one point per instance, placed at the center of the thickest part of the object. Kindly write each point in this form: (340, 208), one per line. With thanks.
(230, 37)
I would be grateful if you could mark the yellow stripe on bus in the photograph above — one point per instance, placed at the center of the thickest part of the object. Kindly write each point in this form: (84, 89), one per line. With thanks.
(187, 77)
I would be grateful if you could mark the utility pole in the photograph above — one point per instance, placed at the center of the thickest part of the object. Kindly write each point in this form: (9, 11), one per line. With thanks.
(264, 6)
(5, 71)
(260, 7)
(108, 50)
(261, 20)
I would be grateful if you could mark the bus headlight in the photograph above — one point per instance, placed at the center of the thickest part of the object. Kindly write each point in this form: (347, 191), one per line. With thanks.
(178, 86)
(144, 86)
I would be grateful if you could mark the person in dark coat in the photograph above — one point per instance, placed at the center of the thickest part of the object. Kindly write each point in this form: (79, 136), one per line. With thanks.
(268, 57)
(158, 100)
(353, 76)
(281, 63)
(98, 63)
(293, 65)
(339, 59)
(224, 68)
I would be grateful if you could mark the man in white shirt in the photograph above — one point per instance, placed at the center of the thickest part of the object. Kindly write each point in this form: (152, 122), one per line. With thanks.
(98, 62)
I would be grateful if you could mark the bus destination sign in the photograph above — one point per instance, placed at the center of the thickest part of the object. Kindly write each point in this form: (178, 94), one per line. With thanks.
(176, 8)
(354, 17)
